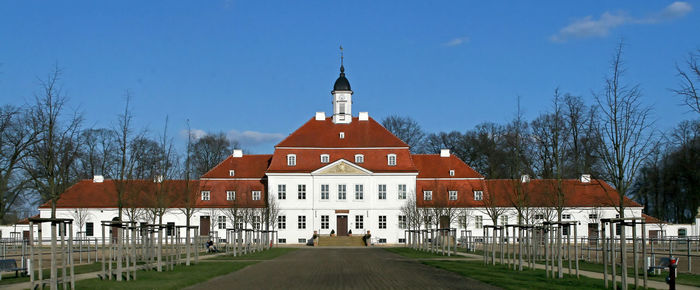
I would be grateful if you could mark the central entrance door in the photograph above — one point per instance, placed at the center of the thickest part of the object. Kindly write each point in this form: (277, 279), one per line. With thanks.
(342, 225)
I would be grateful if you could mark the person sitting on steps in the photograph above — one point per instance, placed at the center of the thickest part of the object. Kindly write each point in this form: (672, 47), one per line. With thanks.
(211, 248)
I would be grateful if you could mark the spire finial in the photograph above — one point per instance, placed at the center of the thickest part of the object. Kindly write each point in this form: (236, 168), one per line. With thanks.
(342, 69)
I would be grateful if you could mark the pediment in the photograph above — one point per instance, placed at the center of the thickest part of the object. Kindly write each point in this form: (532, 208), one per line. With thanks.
(341, 167)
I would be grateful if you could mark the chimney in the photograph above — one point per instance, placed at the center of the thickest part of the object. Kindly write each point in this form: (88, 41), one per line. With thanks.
(585, 178)
(98, 179)
(444, 152)
(364, 116)
(525, 178)
(320, 116)
(158, 179)
(237, 153)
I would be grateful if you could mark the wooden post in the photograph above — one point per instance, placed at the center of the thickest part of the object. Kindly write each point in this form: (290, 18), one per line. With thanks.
(70, 256)
(605, 255)
(644, 253)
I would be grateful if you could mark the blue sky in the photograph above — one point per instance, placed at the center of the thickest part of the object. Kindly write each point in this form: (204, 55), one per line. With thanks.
(259, 70)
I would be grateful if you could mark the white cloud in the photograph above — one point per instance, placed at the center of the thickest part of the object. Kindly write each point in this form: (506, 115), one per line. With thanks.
(253, 138)
(590, 27)
(196, 133)
(457, 41)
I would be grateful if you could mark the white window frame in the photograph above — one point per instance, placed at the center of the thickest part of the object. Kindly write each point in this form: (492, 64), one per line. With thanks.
(257, 194)
(325, 158)
(359, 158)
(230, 195)
(342, 192)
(504, 220)
(341, 135)
(381, 191)
(478, 195)
(382, 222)
(221, 222)
(478, 221)
(359, 191)
(301, 222)
(301, 191)
(206, 195)
(281, 191)
(291, 160)
(359, 222)
(282, 222)
(325, 222)
(453, 194)
(452, 172)
(566, 216)
(391, 159)
(427, 195)
(231, 173)
(402, 222)
(402, 191)
(325, 191)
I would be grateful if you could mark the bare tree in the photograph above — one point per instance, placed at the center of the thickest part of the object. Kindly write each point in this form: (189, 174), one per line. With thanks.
(689, 82)
(190, 193)
(625, 136)
(407, 129)
(270, 212)
(208, 151)
(414, 216)
(80, 216)
(15, 144)
(98, 155)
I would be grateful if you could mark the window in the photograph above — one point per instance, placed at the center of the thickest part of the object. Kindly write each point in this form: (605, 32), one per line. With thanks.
(256, 222)
(301, 222)
(382, 222)
(539, 216)
(566, 216)
(221, 222)
(402, 191)
(504, 220)
(359, 158)
(682, 233)
(324, 191)
(381, 241)
(341, 109)
(341, 135)
(230, 195)
(391, 159)
(291, 160)
(478, 195)
(325, 158)
(281, 222)
(281, 191)
(359, 222)
(402, 241)
(382, 191)
(453, 194)
(452, 172)
(281, 241)
(301, 191)
(239, 223)
(89, 229)
(302, 240)
(325, 222)
(206, 195)
(427, 195)
(170, 229)
(231, 172)
(593, 216)
(256, 195)
(402, 222)
(479, 221)
(359, 191)
(565, 230)
(342, 191)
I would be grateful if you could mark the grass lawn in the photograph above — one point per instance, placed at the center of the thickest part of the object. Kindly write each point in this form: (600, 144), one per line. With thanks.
(411, 253)
(181, 277)
(9, 278)
(683, 278)
(500, 275)
(264, 255)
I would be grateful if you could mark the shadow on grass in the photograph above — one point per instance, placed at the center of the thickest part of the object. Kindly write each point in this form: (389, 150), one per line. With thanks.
(180, 277)
(264, 255)
(9, 278)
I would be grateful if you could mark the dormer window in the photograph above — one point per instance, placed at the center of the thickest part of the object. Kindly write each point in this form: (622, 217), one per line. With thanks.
(478, 195)
(342, 135)
(391, 159)
(231, 172)
(359, 158)
(452, 172)
(206, 195)
(291, 159)
(325, 158)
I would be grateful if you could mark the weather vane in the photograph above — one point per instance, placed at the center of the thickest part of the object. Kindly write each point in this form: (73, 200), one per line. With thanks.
(341, 55)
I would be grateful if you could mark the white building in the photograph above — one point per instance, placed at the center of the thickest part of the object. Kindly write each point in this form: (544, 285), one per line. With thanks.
(345, 173)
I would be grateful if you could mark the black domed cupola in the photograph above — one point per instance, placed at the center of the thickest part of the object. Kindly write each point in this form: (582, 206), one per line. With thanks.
(342, 83)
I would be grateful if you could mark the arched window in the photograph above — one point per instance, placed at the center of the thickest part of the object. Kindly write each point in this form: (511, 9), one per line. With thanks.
(291, 159)
(391, 159)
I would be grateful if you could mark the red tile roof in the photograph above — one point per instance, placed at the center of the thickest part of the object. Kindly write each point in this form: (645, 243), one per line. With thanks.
(434, 166)
(248, 166)
(539, 192)
(309, 160)
(652, 220)
(89, 194)
(358, 134)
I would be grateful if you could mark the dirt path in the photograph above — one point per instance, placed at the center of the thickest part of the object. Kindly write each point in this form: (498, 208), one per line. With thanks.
(349, 268)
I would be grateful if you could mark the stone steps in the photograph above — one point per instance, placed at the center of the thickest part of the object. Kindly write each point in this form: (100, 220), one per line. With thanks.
(345, 241)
